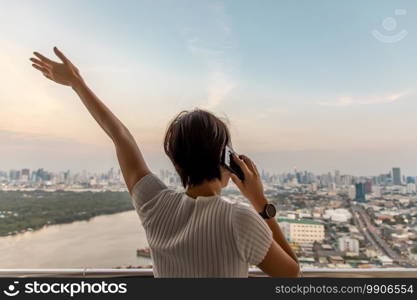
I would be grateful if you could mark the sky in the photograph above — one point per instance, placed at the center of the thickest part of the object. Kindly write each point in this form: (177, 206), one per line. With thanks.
(313, 85)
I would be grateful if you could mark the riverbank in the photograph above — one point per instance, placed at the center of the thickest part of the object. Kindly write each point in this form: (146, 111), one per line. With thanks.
(30, 211)
(105, 241)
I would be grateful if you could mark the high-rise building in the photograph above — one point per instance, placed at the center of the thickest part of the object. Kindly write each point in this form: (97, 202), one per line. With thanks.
(25, 172)
(411, 188)
(25, 175)
(396, 176)
(368, 186)
(14, 175)
(360, 192)
(298, 175)
(351, 192)
(337, 177)
(383, 179)
(67, 177)
(411, 179)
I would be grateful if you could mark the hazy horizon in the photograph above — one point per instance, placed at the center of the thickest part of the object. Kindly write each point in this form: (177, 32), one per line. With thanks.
(303, 84)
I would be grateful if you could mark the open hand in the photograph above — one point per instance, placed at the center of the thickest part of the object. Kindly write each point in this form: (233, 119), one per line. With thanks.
(63, 72)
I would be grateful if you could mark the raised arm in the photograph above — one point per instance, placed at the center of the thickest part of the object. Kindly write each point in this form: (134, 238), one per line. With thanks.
(130, 158)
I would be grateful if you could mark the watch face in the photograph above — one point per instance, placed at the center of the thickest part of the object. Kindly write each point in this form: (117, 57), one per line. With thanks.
(270, 211)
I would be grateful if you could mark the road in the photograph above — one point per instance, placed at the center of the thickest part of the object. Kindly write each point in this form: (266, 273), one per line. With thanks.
(372, 233)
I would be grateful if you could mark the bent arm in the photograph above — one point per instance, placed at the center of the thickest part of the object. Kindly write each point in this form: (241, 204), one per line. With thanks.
(280, 260)
(280, 238)
(277, 263)
(130, 158)
(277, 234)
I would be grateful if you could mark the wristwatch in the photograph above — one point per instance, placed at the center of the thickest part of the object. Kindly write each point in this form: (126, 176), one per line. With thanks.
(269, 211)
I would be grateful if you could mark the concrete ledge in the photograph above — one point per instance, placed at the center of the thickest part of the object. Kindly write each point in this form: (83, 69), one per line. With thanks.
(253, 272)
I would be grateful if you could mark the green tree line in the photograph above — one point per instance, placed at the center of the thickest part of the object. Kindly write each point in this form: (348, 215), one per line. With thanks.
(22, 210)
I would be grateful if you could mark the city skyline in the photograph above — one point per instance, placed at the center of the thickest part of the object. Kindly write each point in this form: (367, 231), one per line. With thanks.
(330, 220)
(302, 85)
(394, 176)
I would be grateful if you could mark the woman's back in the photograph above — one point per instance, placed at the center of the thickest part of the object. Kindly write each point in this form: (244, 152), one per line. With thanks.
(204, 237)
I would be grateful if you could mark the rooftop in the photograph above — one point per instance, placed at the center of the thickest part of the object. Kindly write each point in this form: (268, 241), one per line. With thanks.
(310, 222)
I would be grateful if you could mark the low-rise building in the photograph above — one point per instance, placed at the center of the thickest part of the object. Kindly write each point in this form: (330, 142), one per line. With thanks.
(302, 231)
(347, 244)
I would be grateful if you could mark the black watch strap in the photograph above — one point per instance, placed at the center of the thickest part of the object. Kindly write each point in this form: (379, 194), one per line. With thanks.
(264, 213)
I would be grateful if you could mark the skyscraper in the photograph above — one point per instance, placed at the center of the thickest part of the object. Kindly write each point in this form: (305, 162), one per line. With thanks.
(368, 186)
(25, 175)
(411, 179)
(337, 177)
(360, 192)
(396, 176)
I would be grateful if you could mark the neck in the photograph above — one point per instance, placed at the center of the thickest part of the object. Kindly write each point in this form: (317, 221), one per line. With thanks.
(205, 189)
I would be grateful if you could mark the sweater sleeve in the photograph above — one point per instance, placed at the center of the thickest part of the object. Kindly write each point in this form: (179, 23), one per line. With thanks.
(253, 236)
(145, 193)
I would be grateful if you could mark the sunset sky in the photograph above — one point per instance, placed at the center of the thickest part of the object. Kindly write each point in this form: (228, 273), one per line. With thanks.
(303, 84)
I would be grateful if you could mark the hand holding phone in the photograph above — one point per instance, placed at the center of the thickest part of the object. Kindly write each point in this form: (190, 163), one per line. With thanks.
(251, 187)
(230, 163)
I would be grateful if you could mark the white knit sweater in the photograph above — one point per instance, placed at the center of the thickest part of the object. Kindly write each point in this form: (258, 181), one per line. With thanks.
(204, 237)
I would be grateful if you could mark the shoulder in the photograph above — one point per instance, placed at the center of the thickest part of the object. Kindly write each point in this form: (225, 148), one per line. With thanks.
(246, 219)
(148, 183)
(242, 213)
(148, 190)
(239, 209)
(243, 210)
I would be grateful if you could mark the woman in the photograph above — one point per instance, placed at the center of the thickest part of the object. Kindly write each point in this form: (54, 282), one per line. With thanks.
(195, 233)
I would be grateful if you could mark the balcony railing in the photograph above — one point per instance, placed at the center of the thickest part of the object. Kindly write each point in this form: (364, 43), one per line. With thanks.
(253, 272)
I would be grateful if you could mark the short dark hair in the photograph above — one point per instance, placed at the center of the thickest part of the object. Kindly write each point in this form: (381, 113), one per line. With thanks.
(194, 142)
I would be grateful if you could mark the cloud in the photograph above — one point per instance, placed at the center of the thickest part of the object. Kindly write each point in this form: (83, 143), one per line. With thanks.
(349, 101)
(211, 44)
(220, 85)
(271, 112)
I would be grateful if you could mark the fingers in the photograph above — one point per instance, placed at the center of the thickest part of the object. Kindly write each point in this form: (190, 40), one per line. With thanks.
(45, 71)
(250, 164)
(61, 55)
(40, 68)
(241, 164)
(236, 180)
(47, 76)
(42, 58)
(37, 61)
(40, 63)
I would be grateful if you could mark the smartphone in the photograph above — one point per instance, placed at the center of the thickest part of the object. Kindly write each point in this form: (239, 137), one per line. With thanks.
(230, 163)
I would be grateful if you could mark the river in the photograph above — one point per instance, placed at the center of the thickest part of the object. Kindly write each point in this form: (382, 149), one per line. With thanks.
(102, 242)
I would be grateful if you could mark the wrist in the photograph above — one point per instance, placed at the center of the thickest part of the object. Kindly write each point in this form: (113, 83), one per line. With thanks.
(77, 82)
(259, 203)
